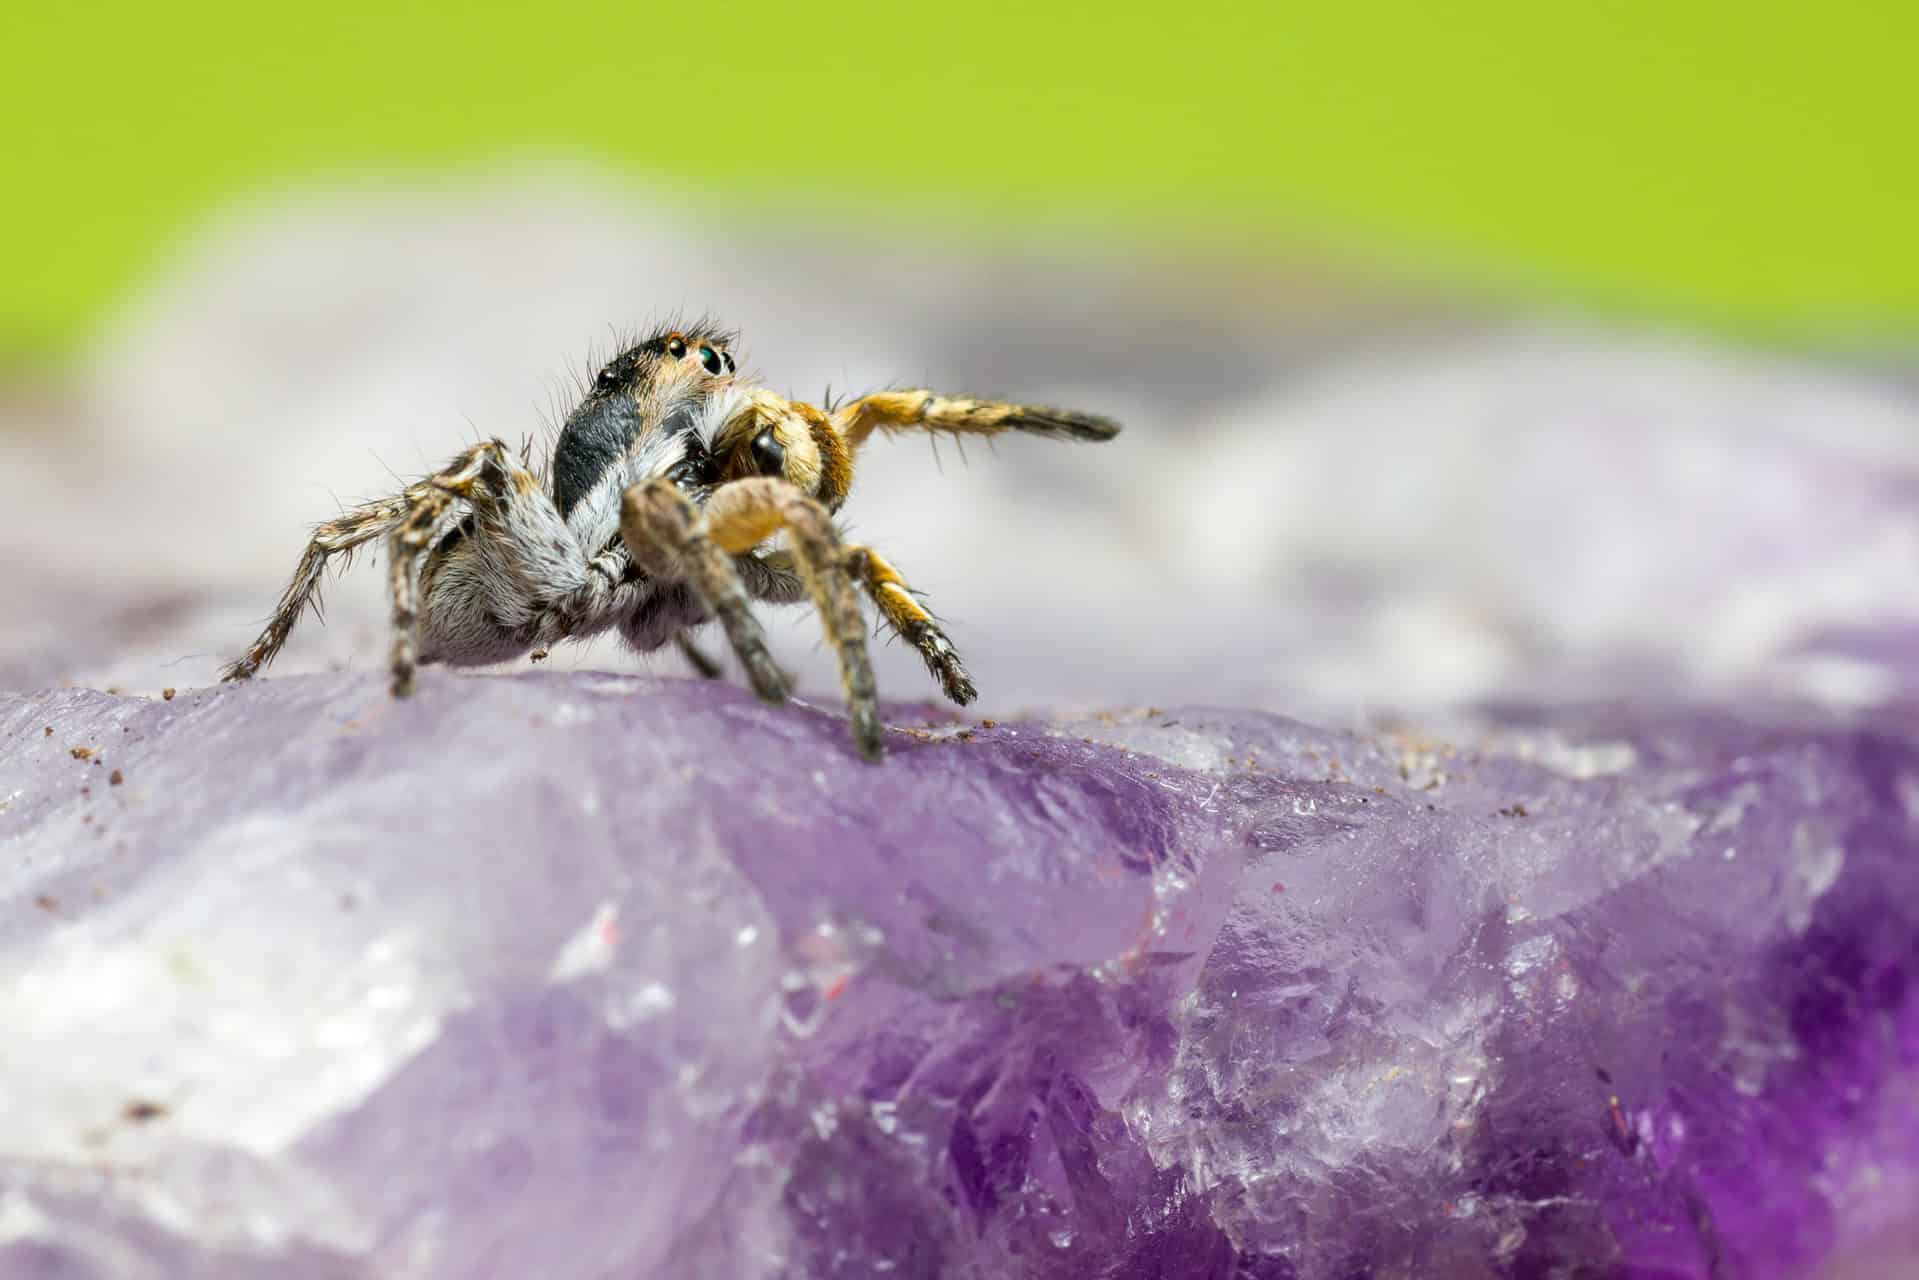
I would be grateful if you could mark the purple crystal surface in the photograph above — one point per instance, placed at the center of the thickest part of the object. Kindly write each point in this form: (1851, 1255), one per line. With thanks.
(651, 980)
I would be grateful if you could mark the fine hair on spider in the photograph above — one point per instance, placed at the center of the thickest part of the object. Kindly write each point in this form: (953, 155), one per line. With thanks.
(654, 515)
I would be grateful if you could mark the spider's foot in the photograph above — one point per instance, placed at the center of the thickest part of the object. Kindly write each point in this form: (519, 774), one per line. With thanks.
(869, 735)
(943, 661)
(955, 683)
(768, 681)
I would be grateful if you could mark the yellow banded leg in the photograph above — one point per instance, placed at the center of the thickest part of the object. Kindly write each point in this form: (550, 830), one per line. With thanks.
(961, 415)
(904, 613)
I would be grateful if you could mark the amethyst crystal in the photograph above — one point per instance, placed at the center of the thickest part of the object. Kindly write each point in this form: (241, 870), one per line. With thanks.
(641, 978)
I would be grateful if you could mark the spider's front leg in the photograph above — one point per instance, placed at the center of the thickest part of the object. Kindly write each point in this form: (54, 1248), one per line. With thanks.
(667, 537)
(666, 534)
(703, 666)
(921, 410)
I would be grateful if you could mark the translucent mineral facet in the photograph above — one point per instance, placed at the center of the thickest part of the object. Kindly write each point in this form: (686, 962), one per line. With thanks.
(579, 976)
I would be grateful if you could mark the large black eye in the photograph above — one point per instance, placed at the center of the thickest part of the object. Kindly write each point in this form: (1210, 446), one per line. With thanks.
(728, 357)
(675, 348)
(710, 360)
(768, 455)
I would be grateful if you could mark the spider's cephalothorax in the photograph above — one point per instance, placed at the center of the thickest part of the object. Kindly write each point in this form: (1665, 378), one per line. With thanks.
(664, 486)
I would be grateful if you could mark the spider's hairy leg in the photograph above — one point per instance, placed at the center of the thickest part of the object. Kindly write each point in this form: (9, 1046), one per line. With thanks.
(738, 517)
(703, 666)
(432, 507)
(772, 577)
(743, 514)
(922, 410)
(909, 618)
(406, 549)
(334, 537)
(667, 537)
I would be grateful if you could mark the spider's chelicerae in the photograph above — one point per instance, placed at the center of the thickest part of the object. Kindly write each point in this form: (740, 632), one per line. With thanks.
(664, 489)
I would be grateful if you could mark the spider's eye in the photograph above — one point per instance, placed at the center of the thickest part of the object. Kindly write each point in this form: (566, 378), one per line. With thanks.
(609, 378)
(727, 356)
(768, 455)
(710, 360)
(675, 347)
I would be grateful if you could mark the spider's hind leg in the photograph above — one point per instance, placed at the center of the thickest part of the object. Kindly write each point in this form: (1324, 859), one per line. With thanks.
(333, 537)
(428, 516)
(487, 484)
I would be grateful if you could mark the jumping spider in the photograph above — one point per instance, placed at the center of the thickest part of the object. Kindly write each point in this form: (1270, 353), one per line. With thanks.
(664, 486)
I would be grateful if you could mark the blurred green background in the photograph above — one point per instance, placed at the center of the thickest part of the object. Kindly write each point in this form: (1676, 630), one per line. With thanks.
(1743, 167)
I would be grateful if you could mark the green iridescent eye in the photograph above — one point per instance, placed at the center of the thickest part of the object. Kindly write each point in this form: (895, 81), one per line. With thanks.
(710, 360)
